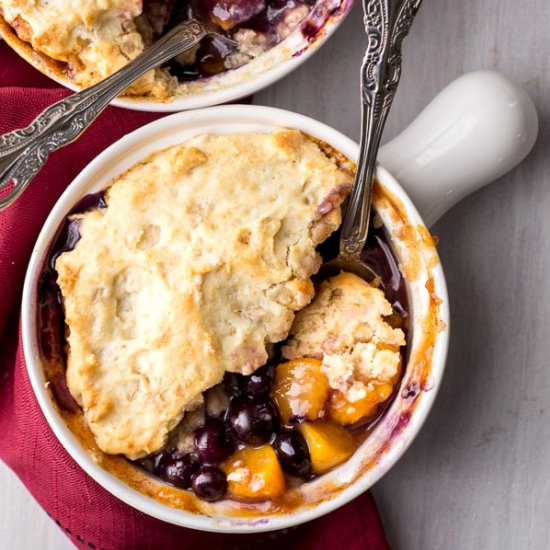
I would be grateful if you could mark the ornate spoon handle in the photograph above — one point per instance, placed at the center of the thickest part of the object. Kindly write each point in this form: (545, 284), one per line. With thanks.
(24, 152)
(387, 23)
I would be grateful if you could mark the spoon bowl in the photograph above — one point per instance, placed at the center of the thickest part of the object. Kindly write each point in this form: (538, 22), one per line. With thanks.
(357, 267)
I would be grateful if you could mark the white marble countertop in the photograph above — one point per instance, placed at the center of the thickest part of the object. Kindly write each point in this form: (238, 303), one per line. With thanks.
(477, 476)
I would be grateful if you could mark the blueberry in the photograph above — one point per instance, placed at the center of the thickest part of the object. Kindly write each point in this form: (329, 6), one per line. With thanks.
(293, 453)
(209, 483)
(213, 442)
(252, 420)
(176, 468)
(260, 382)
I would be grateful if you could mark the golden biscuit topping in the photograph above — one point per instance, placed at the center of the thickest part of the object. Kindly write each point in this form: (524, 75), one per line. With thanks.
(95, 39)
(195, 268)
(345, 327)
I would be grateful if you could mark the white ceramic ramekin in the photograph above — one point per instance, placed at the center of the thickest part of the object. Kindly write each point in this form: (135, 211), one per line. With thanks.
(229, 86)
(478, 128)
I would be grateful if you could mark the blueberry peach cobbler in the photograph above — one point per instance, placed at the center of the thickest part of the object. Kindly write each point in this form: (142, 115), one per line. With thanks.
(179, 320)
(88, 40)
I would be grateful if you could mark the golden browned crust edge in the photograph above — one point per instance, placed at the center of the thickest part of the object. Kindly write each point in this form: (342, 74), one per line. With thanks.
(52, 68)
(43, 63)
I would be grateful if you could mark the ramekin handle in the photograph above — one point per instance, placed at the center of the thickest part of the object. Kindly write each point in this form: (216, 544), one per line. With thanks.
(474, 131)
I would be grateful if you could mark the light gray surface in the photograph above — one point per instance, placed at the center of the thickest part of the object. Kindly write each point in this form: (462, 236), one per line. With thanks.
(477, 476)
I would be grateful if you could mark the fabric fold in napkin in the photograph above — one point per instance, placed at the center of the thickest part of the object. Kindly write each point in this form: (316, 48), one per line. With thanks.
(90, 516)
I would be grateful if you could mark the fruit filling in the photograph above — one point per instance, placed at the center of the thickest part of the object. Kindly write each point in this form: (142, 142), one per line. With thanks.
(254, 26)
(250, 438)
(253, 436)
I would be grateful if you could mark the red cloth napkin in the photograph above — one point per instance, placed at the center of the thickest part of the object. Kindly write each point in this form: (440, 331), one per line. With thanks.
(88, 514)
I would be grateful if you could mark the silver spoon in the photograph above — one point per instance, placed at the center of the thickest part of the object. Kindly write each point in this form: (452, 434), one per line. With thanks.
(24, 152)
(387, 23)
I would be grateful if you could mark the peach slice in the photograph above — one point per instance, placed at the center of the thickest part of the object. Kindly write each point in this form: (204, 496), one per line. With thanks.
(346, 412)
(329, 445)
(300, 390)
(254, 473)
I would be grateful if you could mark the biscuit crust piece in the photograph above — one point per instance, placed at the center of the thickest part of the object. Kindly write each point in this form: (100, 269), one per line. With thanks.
(93, 38)
(195, 268)
(345, 327)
